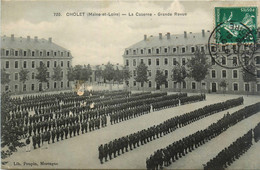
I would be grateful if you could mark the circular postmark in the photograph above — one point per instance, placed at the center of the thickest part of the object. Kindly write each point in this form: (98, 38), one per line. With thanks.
(236, 42)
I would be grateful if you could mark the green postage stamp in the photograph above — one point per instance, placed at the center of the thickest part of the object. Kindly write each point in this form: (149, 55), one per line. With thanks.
(236, 24)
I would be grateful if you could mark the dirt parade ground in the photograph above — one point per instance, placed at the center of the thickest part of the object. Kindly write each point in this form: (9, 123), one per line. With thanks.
(82, 151)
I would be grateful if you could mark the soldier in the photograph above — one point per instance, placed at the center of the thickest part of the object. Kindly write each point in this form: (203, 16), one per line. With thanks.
(58, 134)
(28, 147)
(53, 134)
(70, 130)
(38, 140)
(34, 139)
(78, 128)
(66, 130)
(110, 149)
(61, 132)
(48, 136)
(30, 130)
(101, 153)
(105, 151)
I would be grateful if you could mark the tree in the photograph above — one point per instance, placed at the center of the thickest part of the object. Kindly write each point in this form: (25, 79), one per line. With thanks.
(126, 74)
(10, 135)
(198, 66)
(70, 75)
(249, 74)
(179, 74)
(160, 78)
(118, 76)
(223, 84)
(42, 75)
(98, 72)
(57, 74)
(4, 77)
(109, 73)
(24, 76)
(141, 74)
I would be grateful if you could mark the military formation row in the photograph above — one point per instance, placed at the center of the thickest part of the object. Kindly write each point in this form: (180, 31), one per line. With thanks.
(179, 148)
(228, 155)
(164, 128)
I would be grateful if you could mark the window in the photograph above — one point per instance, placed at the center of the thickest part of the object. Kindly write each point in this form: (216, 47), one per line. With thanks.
(55, 53)
(55, 85)
(62, 74)
(201, 49)
(61, 84)
(134, 72)
(184, 84)
(68, 54)
(174, 50)
(134, 83)
(235, 87)
(157, 62)
(134, 52)
(149, 62)
(61, 54)
(166, 73)
(213, 62)
(142, 84)
(40, 53)
(166, 84)
(235, 61)
(165, 50)
(142, 51)
(126, 52)
(32, 87)
(193, 85)
(224, 61)
(6, 88)
(235, 74)
(16, 87)
(55, 63)
(68, 84)
(68, 64)
(16, 64)
(48, 53)
(32, 76)
(16, 53)
(258, 73)
(150, 84)
(247, 88)
(192, 49)
(134, 62)
(48, 74)
(15, 76)
(7, 64)
(24, 64)
(149, 73)
(149, 51)
(166, 61)
(24, 53)
(48, 85)
(213, 74)
(33, 64)
(183, 49)
(183, 61)
(257, 58)
(174, 61)
(224, 74)
(127, 62)
(61, 63)
(175, 85)
(24, 87)
(33, 53)
(157, 51)
(142, 61)
(7, 52)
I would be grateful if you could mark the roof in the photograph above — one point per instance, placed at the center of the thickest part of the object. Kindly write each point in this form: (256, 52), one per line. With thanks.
(175, 40)
(29, 43)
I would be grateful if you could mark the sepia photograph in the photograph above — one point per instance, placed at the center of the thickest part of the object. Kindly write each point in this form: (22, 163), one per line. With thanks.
(141, 84)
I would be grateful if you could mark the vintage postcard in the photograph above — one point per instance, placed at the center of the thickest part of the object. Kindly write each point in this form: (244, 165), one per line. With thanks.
(142, 84)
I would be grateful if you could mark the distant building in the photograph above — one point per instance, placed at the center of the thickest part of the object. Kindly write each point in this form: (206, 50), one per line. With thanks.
(27, 53)
(164, 51)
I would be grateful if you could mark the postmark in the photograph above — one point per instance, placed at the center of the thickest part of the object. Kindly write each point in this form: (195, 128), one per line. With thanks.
(234, 38)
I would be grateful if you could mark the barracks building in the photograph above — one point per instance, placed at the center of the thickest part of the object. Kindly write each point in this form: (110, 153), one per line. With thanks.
(164, 51)
(27, 53)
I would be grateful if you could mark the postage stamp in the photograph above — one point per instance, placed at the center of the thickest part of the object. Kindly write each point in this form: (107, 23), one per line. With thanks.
(234, 37)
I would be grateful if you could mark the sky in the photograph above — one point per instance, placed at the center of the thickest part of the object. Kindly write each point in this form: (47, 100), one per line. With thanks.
(100, 39)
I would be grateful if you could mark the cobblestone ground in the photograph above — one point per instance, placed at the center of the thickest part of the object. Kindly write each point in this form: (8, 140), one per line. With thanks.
(82, 151)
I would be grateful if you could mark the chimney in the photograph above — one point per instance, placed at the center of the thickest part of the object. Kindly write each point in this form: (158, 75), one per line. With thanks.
(12, 37)
(36, 39)
(185, 34)
(145, 37)
(160, 36)
(168, 36)
(28, 38)
(50, 40)
(203, 33)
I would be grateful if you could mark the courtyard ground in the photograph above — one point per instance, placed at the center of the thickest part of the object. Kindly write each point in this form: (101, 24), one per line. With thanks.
(81, 152)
